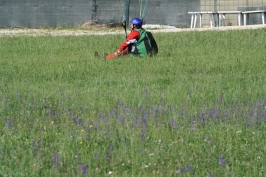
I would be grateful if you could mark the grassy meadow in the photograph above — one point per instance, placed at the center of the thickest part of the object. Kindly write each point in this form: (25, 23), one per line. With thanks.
(198, 108)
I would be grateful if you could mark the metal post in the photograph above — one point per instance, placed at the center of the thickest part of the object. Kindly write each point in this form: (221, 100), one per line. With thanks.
(126, 11)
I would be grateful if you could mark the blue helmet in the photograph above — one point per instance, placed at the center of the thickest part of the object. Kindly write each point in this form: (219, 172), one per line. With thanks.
(136, 21)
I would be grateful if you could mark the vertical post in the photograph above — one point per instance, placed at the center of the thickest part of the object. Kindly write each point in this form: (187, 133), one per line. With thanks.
(94, 10)
(219, 20)
(200, 19)
(192, 20)
(211, 19)
(263, 19)
(126, 11)
(245, 19)
(195, 20)
(239, 19)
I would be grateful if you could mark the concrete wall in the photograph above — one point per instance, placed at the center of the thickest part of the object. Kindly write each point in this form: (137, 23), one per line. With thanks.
(43, 13)
(56, 13)
(233, 5)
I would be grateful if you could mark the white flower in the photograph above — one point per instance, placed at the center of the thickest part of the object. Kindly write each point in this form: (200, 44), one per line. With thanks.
(238, 131)
(109, 173)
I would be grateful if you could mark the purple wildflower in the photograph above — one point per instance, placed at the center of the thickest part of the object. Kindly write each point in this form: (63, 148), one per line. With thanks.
(172, 122)
(84, 170)
(56, 160)
(262, 116)
(144, 121)
(160, 109)
(106, 119)
(75, 120)
(187, 168)
(115, 112)
(222, 161)
(214, 111)
(135, 123)
(79, 121)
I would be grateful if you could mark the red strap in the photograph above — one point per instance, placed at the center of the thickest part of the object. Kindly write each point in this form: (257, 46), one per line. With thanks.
(110, 56)
(114, 55)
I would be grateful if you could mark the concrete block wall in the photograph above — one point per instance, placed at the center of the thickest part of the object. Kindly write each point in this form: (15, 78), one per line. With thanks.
(164, 12)
(233, 5)
(73, 13)
(43, 13)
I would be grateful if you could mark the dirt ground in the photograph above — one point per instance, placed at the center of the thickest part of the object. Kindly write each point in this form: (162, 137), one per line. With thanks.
(107, 31)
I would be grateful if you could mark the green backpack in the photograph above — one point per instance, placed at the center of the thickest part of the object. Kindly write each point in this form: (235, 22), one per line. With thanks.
(146, 45)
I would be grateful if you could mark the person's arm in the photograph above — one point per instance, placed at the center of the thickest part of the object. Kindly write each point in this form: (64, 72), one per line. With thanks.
(131, 39)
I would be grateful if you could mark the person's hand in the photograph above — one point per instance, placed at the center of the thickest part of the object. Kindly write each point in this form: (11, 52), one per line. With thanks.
(117, 52)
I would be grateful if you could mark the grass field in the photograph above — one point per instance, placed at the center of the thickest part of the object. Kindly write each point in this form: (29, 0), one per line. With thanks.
(198, 108)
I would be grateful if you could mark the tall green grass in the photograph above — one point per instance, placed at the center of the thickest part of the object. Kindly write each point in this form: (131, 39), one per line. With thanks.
(196, 109)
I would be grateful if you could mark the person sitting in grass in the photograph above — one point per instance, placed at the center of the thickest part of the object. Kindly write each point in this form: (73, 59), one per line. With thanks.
(139, 43)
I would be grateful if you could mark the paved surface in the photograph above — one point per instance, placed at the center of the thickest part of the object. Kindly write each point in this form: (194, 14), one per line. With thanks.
(56, 32)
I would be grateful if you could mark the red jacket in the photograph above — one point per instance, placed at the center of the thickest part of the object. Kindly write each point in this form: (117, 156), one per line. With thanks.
(132, 38)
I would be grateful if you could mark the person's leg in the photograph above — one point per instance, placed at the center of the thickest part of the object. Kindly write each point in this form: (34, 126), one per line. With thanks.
(114, 55)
